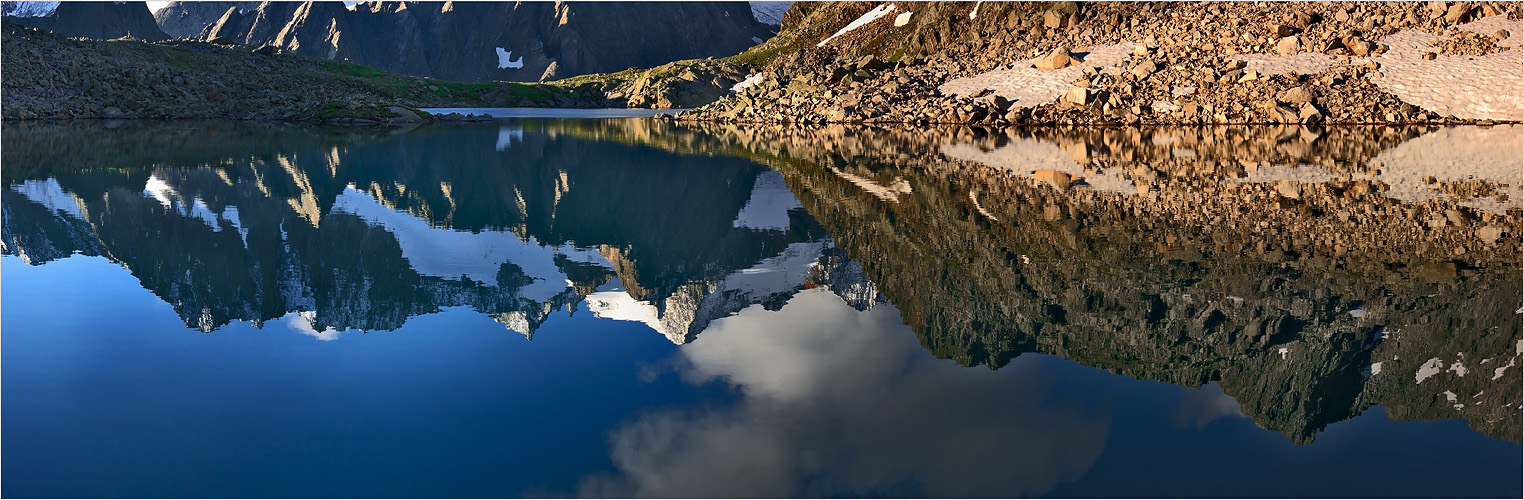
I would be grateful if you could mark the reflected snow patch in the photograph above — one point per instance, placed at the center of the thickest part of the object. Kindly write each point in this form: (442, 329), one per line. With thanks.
(452, 254)
(506, 136)
(49, 194)
(304, 322)
(769, 204)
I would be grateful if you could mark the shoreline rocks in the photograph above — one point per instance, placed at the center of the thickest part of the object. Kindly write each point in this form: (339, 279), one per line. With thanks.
(1198, 46)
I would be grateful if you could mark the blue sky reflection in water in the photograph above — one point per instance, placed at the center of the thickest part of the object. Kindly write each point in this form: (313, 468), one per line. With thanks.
(805, 380)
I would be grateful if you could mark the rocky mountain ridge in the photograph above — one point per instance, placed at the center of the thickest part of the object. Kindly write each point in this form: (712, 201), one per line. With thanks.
(99, 20)
(496, 41)
(187, 19)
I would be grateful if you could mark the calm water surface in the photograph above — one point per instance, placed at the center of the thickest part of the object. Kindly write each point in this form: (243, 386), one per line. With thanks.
(543, 307)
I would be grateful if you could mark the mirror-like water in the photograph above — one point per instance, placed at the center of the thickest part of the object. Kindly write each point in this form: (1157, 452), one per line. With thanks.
(544, 307)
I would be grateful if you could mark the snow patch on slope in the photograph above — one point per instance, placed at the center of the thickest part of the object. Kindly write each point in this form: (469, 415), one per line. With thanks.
(505, 59)
(872, 15)
(1474, 87)
(769, 12)
(748, 82)
(1028, 86)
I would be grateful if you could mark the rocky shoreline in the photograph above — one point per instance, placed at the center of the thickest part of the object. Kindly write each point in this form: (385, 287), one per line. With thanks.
(987, 64)
(1119, 63)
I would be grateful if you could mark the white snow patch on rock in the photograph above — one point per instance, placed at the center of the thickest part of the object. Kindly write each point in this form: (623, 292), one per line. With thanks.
(1498, 372)
(1027, 86)
(1430, 368)
(505, 59)
(750, 80)
(1376, 368)
(1450, 397)
(1459, 369)
(1303, 63)
(902, 19)
(872, 15)
(1472, 87)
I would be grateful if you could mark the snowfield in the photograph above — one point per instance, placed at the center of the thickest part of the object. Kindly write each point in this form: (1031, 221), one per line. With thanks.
(769, 12)
(872, 15)
(505, 59)
(28, 9)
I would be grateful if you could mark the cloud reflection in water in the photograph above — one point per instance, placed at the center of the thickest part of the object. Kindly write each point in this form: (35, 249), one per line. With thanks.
(836, 402)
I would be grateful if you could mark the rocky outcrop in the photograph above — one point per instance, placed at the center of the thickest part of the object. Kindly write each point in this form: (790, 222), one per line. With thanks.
(998, 63)
(498, 41)
(183, 19)
(102, 20)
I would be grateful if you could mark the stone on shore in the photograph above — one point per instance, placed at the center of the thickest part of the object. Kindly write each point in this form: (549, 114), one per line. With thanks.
(1058, 59)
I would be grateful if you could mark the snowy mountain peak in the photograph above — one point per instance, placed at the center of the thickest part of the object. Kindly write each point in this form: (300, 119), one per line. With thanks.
(769, 12)
(28, 9)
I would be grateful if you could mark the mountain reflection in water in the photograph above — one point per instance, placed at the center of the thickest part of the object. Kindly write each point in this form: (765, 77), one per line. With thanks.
(1294, 276)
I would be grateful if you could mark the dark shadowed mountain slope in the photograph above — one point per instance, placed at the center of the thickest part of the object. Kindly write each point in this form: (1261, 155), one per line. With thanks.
(481, 41)
(87, 19)
(180, 19)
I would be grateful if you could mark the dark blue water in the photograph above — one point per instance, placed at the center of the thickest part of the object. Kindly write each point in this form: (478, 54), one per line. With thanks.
(340, 313)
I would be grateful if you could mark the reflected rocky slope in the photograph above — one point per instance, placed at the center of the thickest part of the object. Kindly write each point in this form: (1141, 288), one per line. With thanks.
(1312, 272)
(354, 230)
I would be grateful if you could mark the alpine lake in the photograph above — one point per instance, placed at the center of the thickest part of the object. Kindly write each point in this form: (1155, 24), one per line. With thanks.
(591, 306)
